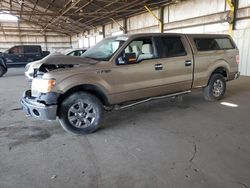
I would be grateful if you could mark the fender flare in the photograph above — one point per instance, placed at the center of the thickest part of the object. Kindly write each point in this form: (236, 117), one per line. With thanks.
(90, 88)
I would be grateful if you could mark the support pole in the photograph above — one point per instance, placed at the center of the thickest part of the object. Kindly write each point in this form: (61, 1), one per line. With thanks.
(46, 41)
(156, 17)
(103, 31)
(161, 13)
(70, 38)
(232, 15)
(236, 7)
(121, 27)
(125, 25)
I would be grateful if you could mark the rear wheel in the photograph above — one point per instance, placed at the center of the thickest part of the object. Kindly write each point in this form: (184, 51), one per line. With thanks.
(2, 70)
(215, 89)
(80, 113)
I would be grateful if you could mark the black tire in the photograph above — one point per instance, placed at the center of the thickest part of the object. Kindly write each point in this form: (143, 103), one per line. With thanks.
(2, 70)
(215, 89)
(80, 113)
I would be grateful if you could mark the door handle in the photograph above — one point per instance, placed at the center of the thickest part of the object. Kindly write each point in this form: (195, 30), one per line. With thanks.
(188, 63)
(158, 67)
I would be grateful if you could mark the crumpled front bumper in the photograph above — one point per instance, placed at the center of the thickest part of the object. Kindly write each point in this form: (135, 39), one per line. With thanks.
(33, 108)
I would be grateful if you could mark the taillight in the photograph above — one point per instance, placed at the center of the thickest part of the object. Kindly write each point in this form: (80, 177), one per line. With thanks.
(238, 59)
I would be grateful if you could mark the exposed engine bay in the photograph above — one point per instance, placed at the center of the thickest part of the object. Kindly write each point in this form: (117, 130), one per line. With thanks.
(44, 68)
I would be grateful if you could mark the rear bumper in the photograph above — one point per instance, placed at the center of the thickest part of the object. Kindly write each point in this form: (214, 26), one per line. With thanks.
(233, 76)
(36, 109)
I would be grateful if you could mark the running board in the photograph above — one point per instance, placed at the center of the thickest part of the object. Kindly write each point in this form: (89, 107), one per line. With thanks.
(118, 107)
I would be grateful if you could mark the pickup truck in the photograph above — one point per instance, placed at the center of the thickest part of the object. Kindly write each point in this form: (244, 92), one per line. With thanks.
(126, 70)
(19, 56)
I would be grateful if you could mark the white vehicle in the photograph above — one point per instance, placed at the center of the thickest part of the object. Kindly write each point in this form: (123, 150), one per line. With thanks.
(29, 68)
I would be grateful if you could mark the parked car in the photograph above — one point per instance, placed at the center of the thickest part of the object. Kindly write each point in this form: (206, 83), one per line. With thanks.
(29, 70)
(128, 70)
(19, 56)
(76, 52)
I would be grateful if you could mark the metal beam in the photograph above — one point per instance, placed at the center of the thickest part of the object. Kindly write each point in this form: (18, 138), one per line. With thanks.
(34, 8)
(58, 17)
(124, 7)
(156, 17)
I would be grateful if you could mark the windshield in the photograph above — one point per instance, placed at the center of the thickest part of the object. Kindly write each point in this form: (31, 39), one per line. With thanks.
(105, 49)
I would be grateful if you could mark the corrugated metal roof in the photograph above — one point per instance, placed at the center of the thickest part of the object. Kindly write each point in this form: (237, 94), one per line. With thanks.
(75, 16)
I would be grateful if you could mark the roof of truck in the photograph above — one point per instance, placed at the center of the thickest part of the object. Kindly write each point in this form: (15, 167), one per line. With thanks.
(162, 34)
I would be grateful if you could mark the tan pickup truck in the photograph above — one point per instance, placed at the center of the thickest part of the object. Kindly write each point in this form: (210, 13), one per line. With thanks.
(126, 70)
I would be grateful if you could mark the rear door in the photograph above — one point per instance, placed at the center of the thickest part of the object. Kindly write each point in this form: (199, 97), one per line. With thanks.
(32, 53)
(177, 61)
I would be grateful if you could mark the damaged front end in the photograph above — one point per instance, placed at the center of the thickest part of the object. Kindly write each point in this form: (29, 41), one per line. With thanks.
(55, 62)
(45, 68)
(41, 100)
(43, 107)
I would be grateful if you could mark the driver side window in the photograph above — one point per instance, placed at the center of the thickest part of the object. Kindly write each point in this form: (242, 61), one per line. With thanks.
(138, 50)
(16, 50)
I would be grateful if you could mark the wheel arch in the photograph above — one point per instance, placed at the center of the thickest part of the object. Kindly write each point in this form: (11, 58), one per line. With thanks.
(92, 89)
(219, 70)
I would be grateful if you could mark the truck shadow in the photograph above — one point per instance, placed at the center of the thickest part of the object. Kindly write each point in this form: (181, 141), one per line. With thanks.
(165, 107)
(156, 109)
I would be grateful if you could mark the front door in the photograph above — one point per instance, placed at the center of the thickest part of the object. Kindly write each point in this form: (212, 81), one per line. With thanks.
(143, 78)
(15, 57)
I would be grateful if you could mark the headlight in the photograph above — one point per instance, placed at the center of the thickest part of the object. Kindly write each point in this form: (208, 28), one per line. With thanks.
(42, 86)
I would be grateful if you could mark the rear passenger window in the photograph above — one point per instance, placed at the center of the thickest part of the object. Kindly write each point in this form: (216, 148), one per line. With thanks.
(31, 49)
(16, 50)
(208, 44)
(172, 47)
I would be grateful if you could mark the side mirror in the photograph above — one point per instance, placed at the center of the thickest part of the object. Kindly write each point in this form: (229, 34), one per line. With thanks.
(127, 58)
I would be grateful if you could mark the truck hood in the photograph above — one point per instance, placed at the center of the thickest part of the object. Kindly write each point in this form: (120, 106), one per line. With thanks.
(60, 59)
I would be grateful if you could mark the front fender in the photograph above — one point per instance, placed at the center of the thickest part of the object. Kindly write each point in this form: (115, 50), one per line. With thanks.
(81, 79)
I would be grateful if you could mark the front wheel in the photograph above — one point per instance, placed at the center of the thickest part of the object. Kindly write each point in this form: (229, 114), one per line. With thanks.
(215, 89)
(80, 113)
(2, 70)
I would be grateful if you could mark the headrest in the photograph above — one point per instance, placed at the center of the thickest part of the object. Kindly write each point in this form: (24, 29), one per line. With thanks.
(128, 49)
(147, 49)
(136, 49)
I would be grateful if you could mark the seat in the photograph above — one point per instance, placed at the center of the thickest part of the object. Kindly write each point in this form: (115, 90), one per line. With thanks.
(147, 52)
(128, 50)
(136, 50)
